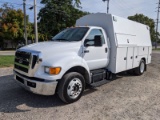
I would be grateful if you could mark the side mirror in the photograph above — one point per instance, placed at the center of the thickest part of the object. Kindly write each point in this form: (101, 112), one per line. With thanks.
(98, 41)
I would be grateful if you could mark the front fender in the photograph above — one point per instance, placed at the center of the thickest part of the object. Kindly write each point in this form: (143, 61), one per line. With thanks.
(66, 62)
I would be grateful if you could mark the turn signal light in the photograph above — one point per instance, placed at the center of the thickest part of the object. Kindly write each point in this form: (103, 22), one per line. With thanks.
(54, 71)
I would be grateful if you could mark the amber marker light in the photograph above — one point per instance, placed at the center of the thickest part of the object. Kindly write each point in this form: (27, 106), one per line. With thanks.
(54, 71)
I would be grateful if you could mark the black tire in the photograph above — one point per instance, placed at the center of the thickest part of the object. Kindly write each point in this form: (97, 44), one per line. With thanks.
(65, 86)
(140, 70)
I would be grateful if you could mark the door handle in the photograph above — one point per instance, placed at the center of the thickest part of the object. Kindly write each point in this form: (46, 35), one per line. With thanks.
(86, 51)
(106, 50)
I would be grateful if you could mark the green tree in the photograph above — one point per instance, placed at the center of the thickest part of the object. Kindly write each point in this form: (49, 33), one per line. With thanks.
(12, 24)
(30, 32)
(147, 21)
(57, 15)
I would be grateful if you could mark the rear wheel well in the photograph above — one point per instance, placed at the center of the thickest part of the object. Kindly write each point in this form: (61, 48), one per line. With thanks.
(144, 60)
(145, 63)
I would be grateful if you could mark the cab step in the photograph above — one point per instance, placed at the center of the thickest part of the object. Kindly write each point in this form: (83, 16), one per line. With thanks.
(99, 83)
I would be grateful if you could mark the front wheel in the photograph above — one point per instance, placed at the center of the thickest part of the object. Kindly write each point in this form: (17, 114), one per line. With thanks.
(140, 70)
(71, 87)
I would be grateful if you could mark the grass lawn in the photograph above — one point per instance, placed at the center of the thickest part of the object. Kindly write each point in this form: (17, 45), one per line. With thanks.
(6, 61)
(156, 49)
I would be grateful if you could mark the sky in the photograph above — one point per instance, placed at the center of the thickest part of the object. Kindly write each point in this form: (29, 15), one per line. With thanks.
(123, 8)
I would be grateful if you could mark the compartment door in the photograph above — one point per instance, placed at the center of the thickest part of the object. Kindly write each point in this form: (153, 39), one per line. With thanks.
(135, 60)
(143, 51)
(130, 58)
(121, 60)
(149, 54)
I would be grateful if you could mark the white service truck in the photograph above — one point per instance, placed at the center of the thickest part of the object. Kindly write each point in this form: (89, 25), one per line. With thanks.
(101, 45)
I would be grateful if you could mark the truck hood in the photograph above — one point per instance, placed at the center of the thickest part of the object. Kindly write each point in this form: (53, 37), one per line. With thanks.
(44, 47)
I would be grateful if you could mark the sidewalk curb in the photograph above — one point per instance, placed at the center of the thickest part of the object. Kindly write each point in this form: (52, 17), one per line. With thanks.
(6, 71)
(7, 52)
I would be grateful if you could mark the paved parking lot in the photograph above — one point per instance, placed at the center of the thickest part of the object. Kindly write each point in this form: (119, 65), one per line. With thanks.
(126, 98)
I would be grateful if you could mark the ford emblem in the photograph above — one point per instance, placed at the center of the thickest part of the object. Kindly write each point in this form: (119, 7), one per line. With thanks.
(20, 61)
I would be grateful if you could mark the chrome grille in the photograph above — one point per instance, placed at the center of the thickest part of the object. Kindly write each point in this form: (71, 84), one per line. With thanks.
(21, 68)
(34, 60)
(22, 61)
(27, 62)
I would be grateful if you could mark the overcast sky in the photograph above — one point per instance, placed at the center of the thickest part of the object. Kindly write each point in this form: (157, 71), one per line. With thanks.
(123, 8)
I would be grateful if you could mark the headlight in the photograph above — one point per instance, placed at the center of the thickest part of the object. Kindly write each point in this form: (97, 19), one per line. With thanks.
(52, 70)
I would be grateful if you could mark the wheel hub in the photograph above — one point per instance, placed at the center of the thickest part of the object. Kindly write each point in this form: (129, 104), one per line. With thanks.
(74, 88)
(142, 66)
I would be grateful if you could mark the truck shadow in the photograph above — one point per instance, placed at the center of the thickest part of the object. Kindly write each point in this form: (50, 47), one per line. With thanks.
(14, 98)
(125, 74)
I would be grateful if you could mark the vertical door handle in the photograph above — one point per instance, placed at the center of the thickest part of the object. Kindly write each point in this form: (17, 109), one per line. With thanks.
(106, 50)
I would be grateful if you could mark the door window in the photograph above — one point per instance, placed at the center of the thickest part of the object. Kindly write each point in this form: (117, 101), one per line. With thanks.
(92, 34)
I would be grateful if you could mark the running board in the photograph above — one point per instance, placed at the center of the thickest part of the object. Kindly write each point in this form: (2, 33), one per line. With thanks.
(102, 82)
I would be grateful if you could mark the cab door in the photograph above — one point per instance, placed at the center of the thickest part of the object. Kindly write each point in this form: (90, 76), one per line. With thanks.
(95, 56)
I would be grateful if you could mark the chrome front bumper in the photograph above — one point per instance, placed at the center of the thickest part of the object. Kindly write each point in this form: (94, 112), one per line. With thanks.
(37, 87)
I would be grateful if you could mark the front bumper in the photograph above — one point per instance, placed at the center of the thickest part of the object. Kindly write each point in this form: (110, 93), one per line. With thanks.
(38, 87)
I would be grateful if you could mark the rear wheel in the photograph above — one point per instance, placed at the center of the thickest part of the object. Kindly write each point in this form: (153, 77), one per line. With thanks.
(71, 87)
(140, 70)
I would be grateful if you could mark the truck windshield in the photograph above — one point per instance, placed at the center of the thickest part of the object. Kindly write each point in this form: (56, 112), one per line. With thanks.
(71, 34)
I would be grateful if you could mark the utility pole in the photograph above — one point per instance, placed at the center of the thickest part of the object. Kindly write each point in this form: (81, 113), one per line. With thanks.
(25, 27)
(107, 5)
(157, 24)
(35, 21)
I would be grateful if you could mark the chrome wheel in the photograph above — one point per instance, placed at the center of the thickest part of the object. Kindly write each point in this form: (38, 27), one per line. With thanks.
(71, 87)
(74, 88)
(142, 67)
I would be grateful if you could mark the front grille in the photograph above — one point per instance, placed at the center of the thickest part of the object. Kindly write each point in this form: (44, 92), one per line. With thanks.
(25, 61)
(22, 54)
(34, 60)
(22, 61)
(21, 68)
